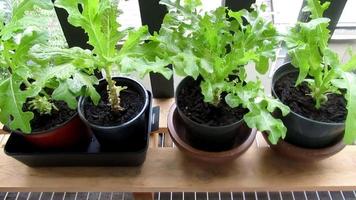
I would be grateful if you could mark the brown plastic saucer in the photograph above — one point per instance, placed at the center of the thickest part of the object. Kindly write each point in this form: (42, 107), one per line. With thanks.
(178, 133)
(305, 154)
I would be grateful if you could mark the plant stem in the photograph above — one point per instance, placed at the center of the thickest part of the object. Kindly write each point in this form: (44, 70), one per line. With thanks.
(27, 83)
(319, 97)
(114, 99)
(216, 99)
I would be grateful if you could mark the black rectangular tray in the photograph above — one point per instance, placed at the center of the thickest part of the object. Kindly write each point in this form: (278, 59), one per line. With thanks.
(88, 154)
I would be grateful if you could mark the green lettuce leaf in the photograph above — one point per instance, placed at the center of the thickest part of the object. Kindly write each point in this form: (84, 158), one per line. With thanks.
(215, 45)
(349, 65)
(319, 66)
(251, 96)
(11, 103)
(350, 125)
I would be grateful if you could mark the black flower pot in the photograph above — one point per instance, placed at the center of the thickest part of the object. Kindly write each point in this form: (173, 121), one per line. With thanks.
(210, 138)
(301, 130)
(126, 135)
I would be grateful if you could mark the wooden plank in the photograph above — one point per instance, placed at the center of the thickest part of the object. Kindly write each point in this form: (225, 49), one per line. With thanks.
(154, 140)
(164, 104)
(1, 137)
(3, 140)
(167, 170)
(167, 140)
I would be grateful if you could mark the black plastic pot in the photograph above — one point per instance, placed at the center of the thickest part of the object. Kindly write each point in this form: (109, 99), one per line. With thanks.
(122, 136)
(209, 138)
(303, 131)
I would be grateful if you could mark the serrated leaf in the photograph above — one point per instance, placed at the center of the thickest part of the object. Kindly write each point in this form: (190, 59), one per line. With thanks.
(273, 104)
(317, 10)
(232, 100)
(251, 96)
(63, 93)
(314, 24)
(237, 16)
(81, 81)
(60, 72)
(26, 5)
(187, 7)
(192, 3)
(350, 65)
(331, 58)
(29, 39)
(18, 20)
(263, 121)
(144, 66)
(98, 19)
(185, 64)
(11, 103)
(134, 38)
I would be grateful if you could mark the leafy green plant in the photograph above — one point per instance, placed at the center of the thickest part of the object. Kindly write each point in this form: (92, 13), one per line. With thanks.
(217, 46)
(99, 20)
(319, 66)
(31, 80)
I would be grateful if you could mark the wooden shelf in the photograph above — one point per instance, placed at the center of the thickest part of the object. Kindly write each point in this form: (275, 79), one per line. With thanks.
(168, 170)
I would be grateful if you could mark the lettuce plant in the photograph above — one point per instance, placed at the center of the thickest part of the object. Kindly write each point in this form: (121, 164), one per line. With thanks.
(319, 66)
(99, 20)
(30, 82)
(217, 46)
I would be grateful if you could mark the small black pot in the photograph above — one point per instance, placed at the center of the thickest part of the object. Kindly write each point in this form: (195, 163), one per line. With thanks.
(209, 138)
(122, 136)
(303, 131)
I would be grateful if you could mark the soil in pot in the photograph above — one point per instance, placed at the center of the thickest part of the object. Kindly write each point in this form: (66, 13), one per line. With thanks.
(45, 122)
(299, 101)
(191, 102)
(102, 114)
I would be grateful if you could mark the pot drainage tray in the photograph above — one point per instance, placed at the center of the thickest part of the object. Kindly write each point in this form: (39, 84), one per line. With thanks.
(87, 154)
(297, 153)
(178, 133)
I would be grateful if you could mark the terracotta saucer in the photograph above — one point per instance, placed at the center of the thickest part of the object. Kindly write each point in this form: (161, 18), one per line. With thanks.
(305, 154)
(178, 133)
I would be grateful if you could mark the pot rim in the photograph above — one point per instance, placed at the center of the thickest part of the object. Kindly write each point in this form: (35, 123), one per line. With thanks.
(82, 99)
(291, 111)
(194, 122)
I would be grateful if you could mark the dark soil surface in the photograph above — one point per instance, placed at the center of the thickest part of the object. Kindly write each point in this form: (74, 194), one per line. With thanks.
(297, 98)
(191, 102)
(102, 115)
(57, 117)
